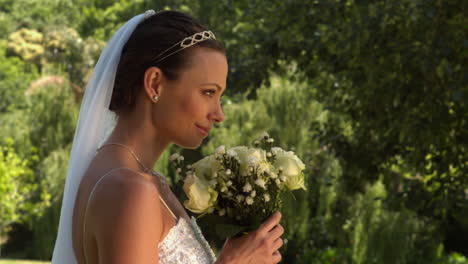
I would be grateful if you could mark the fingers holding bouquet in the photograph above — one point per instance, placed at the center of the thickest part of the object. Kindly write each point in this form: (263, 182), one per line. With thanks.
(273, 241)
(271, 223)
(259, 246)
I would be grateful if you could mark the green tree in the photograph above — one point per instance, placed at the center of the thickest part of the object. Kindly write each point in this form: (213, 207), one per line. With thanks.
(44, 130)
(391, 73)
(372, 95)
(15, 75)
(21, 197)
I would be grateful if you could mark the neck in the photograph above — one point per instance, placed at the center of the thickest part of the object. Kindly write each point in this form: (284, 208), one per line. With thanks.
(140, 138)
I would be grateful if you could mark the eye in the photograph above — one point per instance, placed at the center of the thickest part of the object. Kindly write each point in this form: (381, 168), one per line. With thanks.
(209, 92)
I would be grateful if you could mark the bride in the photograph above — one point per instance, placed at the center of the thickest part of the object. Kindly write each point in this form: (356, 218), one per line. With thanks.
(158, 82)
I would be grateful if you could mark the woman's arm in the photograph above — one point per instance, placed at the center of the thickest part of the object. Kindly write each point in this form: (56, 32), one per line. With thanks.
(128, 219)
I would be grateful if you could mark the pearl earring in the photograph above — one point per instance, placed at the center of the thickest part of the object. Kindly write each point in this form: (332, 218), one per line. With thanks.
(155, 98)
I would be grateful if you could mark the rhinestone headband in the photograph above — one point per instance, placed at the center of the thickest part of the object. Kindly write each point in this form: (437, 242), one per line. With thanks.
(187, 42)
(149, 13)
(183, 44)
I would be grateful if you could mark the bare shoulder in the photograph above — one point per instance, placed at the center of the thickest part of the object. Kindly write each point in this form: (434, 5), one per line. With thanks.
(126, 217)
(122, 182)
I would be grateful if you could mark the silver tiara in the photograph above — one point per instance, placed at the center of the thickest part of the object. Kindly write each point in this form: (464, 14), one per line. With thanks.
(149, 13)
(187, 42)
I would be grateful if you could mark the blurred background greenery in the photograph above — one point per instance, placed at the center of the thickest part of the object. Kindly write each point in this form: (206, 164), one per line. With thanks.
(372, 95)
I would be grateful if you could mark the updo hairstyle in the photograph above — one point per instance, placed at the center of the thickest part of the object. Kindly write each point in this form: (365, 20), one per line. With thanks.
(150, 38)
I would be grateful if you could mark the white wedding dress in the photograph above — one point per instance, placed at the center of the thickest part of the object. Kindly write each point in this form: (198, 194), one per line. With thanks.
(184, 244)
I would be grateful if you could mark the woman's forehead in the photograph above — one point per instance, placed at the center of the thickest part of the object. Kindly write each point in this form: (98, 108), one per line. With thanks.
(208, 66)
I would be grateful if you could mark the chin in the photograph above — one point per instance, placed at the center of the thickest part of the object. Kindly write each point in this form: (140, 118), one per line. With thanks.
(189, 144)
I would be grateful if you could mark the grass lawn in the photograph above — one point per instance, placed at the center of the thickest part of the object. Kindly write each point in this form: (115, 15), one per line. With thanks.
(14, 261)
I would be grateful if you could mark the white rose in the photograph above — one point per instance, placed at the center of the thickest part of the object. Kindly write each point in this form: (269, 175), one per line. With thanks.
(291, 167)
(252, 161)
(231, 153)
(266, 196)
(239, 151)
(249, 200)
(206, 167)
(220, 150)
(276, 150)
(201, 196)
(260, 154)
(254, 157)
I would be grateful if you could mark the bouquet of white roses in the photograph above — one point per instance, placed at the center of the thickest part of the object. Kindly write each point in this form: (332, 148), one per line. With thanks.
(238, 188)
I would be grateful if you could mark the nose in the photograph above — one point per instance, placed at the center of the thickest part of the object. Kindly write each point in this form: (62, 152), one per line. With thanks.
(217, 115)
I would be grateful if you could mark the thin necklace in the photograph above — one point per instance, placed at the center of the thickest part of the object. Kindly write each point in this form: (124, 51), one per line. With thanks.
(145, 169)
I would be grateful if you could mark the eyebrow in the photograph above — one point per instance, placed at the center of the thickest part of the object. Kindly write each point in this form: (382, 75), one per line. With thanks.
(215, 84)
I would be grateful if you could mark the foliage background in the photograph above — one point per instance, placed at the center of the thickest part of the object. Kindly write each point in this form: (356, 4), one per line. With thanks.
(372, 95)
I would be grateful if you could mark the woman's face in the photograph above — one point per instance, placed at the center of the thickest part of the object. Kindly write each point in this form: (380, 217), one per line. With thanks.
(187, 108)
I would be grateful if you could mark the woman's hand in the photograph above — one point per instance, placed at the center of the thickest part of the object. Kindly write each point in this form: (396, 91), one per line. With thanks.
(257, 247)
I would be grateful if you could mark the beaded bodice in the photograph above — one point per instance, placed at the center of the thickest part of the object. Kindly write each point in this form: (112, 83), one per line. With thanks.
(185, 244)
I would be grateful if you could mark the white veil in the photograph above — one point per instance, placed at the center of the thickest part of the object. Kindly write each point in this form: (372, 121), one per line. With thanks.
(94, 124)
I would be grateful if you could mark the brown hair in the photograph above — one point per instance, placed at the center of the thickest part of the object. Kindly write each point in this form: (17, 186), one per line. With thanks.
(150, 38)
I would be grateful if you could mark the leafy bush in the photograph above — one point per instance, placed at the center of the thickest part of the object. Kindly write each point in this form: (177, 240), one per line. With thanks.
(15, 77)
(21, 196)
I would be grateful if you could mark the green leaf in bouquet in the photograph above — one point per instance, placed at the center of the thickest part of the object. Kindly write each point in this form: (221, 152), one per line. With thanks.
(288, 200)
(224, 227)
(226, 230)
(213, 219)
(255, 221)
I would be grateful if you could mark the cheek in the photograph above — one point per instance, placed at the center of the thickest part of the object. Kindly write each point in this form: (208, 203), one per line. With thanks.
(180, 113)
(191, 107)
(185, 106)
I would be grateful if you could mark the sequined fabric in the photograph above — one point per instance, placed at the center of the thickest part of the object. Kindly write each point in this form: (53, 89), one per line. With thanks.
(185, 244)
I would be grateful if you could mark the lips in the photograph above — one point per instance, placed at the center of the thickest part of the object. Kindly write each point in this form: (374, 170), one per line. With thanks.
(203, 129)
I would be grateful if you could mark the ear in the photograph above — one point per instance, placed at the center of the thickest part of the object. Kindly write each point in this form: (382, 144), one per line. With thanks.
(152, 82)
